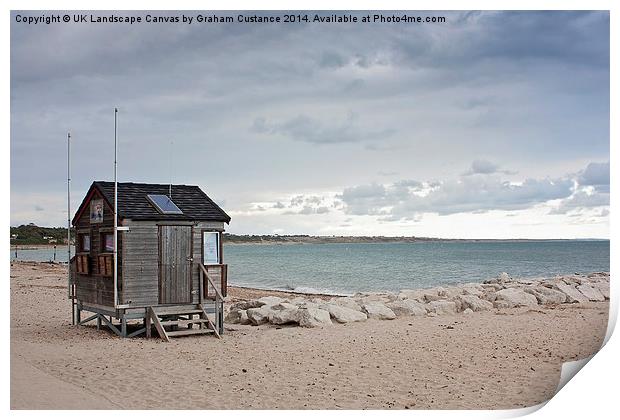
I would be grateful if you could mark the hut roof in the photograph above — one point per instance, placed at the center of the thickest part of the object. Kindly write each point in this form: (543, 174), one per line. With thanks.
(134, 204)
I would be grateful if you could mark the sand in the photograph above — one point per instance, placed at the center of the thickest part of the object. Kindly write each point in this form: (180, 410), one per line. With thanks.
(497, 359)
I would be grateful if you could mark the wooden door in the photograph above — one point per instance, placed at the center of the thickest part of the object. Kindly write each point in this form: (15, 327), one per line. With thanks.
(175, 264)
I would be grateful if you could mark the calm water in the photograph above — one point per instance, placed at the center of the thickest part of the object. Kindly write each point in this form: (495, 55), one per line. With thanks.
(349, 268)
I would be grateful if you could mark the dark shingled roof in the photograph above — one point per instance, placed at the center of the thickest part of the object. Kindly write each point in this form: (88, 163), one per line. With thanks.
(133, 204)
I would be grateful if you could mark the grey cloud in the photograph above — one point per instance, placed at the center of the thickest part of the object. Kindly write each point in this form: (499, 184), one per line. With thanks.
(581, 200)
(482, 166)
(306, 129)
(469, 194)
(510, 84)
(279, 205)
(596, 175)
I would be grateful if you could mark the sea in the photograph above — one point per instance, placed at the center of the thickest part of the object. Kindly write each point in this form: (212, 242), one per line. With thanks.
(390, 267)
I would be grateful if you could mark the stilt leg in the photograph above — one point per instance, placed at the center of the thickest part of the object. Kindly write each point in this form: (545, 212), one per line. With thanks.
(123, 327)
(147, 325)
(98, 323)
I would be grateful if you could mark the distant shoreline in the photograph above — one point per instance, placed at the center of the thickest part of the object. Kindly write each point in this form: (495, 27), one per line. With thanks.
(321, 240)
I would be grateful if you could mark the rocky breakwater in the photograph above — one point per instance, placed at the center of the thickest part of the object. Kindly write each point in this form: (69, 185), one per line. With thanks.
(493, 294)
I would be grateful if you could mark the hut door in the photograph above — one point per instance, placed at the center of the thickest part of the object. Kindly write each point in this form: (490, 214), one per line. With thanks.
(175, 264)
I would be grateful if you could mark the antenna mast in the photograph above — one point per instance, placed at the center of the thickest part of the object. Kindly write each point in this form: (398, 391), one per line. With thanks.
(69, 291)
(115, 217)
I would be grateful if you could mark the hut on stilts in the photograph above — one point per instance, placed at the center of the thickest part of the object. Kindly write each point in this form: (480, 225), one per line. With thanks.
(171, 277)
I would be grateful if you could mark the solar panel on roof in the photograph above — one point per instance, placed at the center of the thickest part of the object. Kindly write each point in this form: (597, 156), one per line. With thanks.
(163, 204)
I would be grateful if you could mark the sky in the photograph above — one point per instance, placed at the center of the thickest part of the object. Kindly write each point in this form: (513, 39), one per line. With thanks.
(490, 125)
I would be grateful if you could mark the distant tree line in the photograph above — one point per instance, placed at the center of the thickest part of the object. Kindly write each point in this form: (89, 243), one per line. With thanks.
(32, 234)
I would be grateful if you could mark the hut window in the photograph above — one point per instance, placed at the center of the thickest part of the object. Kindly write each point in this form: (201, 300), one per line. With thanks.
(210, 248)
(85, 241)
(163, 204)
(108, 242)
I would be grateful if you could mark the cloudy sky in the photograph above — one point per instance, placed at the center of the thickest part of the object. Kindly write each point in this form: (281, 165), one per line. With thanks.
(491, 125)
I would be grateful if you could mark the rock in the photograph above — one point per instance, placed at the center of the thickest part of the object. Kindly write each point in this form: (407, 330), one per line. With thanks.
(407, 307)
(474, 291)
(453, 291)
(376, 297)
(504, 278)
(602, 287)
(342, 314)
(258, 316)
(412, 294)
(313, 317)
(442, 307)
(298, 301)
(308, 305)
(474, 303)
(546, 295)
(348, 302)
(492, 287)
(572, 294)
(234, 316)
(284, 313)
(269, 300)
(246, 304)
(468, 311)
(512, 297)
(378, 310)
(591, 293)
(431, 297)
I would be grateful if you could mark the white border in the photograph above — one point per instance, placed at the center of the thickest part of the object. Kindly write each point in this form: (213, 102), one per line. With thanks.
(591, 394)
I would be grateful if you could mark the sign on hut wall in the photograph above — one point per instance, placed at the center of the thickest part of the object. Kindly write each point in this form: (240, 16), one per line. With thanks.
(96, 211)
(211, 247)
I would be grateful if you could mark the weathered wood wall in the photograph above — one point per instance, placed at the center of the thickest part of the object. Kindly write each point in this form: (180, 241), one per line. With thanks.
(95, 287)
(140, 267)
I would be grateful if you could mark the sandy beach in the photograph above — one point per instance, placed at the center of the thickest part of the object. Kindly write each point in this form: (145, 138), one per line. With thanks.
(497, 359)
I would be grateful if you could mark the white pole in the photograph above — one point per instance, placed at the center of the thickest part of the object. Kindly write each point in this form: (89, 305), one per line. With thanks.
(69, 294)
(115, 218)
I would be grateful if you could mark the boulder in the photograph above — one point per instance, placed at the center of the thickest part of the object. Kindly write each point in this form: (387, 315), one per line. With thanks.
(284, 313)
(313, 317)
(474, 291)
(513, 297)
(245, 304)
(602, 287)
(376, 297)
(590, 292)
(468, 311)
(407, 307)
(269, 300)
(453, 291)
(298, 301)
(234, 316)
(441, 307)
(378, 310)
(546, 295)
(348, 302)
(572, 294)
(258, 316)
(431, 297)
(504, 278)
(492, 287)
(474, 303)
(342, 314)
(412, 294)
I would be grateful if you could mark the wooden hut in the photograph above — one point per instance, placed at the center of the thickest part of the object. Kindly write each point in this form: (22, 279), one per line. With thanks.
(171, 273)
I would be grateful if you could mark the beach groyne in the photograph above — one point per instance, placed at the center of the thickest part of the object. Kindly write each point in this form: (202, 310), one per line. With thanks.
(498, 293)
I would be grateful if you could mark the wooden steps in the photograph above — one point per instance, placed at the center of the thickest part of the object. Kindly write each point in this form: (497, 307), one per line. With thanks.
(180, 321)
